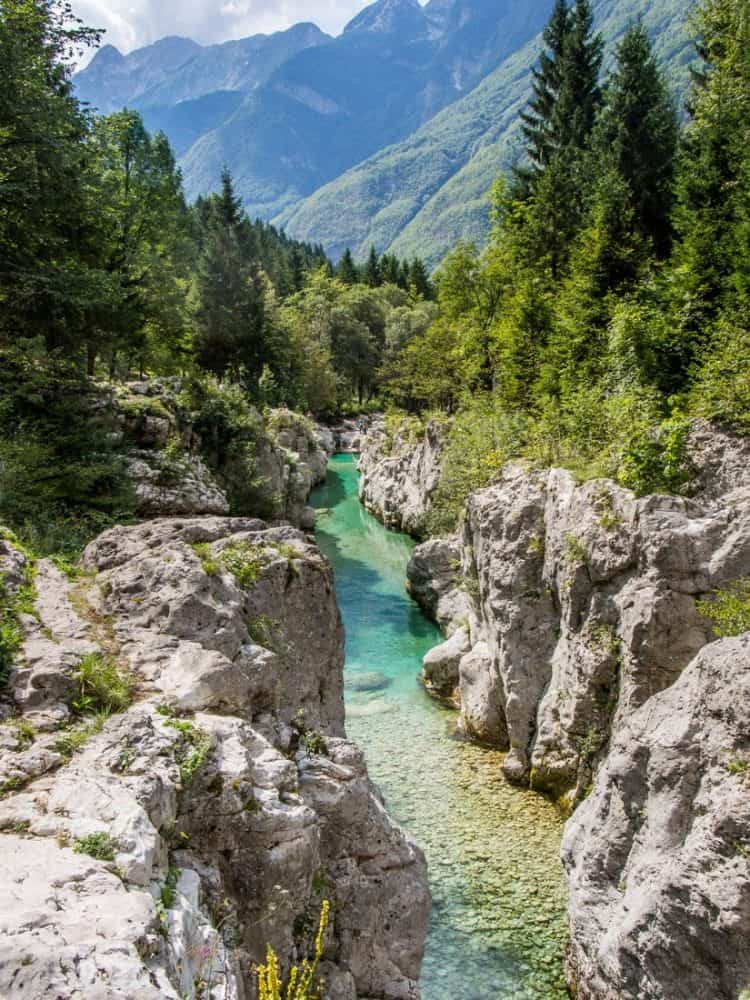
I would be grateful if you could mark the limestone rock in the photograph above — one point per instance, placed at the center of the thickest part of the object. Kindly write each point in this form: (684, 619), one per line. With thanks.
(440, 667)
(584, 605)
(177, 486)
(161, 850)
(657, 857)
(399, 477)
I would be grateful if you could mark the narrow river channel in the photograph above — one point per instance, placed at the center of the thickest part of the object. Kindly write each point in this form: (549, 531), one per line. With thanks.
(498, 925)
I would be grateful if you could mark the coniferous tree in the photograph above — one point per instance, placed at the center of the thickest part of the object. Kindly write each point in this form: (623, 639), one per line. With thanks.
(579, 95)
(230, 334)
(347, 269)
(46, 284)
(372, 269)
(637, 136)
(419, 280)
(713, 206)
(559, 130)
(537, 118)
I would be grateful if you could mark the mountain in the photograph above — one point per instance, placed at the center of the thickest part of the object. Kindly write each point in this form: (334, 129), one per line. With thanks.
(390, 134)
(291, 112)
(422, 194)
(394, 67)
(174, 70)
(112, 80)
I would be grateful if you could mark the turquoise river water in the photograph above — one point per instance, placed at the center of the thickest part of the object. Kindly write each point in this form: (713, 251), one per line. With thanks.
(498, 924)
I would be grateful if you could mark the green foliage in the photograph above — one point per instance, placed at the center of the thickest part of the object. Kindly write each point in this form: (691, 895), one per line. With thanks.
(75, 738)
(62, 477)
(209, 562)
(264, 631)
(590, 743)
(244, 561)
(168, 893)
(102, 686)
(728, 610)
(194, 748)
(575, 551)
(656, 459)
(13, 603)
(97, 845)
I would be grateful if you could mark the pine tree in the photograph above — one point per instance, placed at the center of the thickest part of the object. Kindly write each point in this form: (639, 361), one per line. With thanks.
(46, 284)
(637, 136)
(579, 95)
(537, 118)
(560, 128)
(389, 270)
(372, 269)
(347, 269)
(419, 280)
(713, 246)
(228, 206)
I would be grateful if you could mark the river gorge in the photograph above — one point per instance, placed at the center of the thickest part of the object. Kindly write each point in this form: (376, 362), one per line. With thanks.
(498, 926)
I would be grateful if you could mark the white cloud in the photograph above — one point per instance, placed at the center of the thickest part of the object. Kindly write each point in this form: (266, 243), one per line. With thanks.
(130, 24)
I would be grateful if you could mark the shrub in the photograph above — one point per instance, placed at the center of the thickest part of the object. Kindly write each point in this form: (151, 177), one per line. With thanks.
(63, 475)
(102, 685)
(728, 610)
(208, 561)
(12, 606)
(244, 561)
(195, 747)
(263, 631)
(74, 739)
(655, 460)
(301, 984)
(97, 845)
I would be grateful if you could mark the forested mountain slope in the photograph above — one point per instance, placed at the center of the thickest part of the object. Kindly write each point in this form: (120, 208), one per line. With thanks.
(328, 108)
(290, 112)
(424, 193)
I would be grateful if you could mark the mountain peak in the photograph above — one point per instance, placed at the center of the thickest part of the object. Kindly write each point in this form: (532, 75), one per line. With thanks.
(388, 16)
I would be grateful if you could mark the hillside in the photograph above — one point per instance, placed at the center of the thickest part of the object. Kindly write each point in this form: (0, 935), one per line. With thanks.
(421, 195)
(290, 112)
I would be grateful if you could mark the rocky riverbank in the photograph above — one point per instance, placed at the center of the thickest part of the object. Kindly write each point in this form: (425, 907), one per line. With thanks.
(574, 623)
(177, 788)
(399, 473)
(183, 459)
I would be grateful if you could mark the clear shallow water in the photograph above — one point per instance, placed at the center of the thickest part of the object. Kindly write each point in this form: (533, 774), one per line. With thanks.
(498, 924)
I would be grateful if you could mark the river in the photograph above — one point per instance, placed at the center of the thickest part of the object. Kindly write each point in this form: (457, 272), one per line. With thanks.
(498, 926)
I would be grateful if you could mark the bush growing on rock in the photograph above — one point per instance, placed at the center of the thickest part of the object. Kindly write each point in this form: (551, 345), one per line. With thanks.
(729, 610)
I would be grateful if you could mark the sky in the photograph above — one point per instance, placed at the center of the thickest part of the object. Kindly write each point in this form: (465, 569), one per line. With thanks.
(130, 24)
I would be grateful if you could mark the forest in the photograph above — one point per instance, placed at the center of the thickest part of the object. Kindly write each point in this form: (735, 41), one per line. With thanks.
(608, 309)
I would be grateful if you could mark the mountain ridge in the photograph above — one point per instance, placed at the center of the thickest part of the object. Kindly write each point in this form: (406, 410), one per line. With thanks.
(423, 194)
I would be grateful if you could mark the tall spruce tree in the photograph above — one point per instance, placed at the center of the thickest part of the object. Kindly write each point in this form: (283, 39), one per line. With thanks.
(637, 136)
(230, 326)
(559, 128)
(372, 269)
(713, 247)
(547, 78)
(347, 269)
(46, 285)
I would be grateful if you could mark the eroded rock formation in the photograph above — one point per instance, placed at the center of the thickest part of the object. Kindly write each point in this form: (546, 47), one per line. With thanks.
(154, 852)
(576, 642)
(175, 470)
(399, 475)
(583, 605)
(658, 857)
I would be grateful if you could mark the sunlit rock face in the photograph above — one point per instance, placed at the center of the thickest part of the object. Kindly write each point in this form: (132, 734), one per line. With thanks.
(399, 475)
(156, 852)
(657, 857)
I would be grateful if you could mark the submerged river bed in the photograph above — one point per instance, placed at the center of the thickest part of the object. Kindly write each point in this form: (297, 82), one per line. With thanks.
(498, 926)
